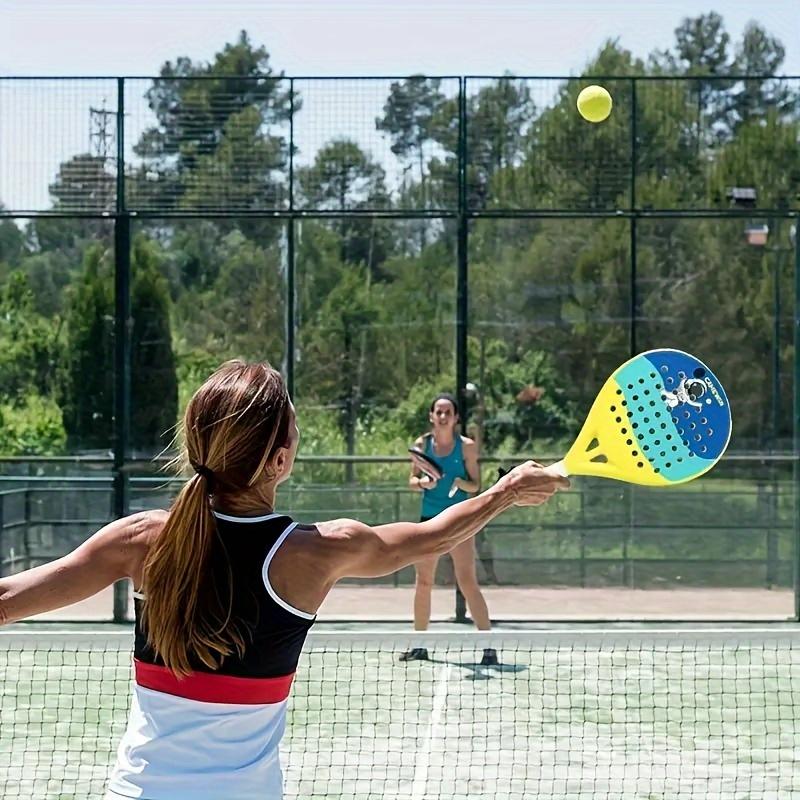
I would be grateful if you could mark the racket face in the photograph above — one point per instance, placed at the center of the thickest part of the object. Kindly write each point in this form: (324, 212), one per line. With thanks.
(662, 418)
(425, 463)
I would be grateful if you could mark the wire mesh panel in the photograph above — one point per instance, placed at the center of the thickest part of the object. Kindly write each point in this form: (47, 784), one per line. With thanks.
(207, 143)
(223, 143)
(58, 145)
(549, 304)
(699, 139)
(375, 322)
(703, 288)
(561, 714)
(377, 144)
(527, 147)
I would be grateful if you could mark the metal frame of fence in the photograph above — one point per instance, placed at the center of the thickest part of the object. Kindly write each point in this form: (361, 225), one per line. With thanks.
(123, 214)
(33, 488)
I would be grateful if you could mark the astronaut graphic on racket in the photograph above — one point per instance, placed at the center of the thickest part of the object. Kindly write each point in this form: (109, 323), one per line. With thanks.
(689, 391)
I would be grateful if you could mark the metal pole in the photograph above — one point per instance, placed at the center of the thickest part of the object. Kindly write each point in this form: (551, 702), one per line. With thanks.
(796, 426)
(290, 307)
(634, 303)
(776, 339)
(633, 277)
(634, 148)
(290, 265)
(462, 297)
(2, 531)
(122, 345)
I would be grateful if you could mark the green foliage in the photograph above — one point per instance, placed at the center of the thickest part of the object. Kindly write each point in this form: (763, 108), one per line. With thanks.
(154, 383)
(84, 184)
(411, 115)
(192, 368)
(343, 177)
(88, 387)
(12, 242)
(525, 399)
(32, 427)
(228, 299)
(30, 347)
(226, 145)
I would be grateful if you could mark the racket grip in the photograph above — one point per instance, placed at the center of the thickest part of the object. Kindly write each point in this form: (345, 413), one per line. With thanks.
(453, 490)
(558, 468)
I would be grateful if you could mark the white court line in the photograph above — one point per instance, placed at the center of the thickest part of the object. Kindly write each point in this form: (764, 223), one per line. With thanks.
(420, 784)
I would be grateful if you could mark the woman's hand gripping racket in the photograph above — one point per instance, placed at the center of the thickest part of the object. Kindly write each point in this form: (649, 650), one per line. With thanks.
(429, 466)
(661, 419)
(425, 464)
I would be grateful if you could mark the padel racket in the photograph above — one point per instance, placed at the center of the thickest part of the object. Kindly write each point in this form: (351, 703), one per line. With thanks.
(661, 419)
(425, 464)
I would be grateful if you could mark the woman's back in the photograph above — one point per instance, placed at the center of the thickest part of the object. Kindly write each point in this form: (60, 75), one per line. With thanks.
(188, 736)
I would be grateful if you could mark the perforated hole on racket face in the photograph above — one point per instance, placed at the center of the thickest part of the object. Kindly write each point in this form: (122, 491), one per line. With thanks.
(693, 425)
(672, 413)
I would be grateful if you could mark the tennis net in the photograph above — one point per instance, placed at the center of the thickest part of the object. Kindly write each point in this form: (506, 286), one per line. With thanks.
(613, 713)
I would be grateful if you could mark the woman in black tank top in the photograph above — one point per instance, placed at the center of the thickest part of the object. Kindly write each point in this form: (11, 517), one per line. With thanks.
(227, 588)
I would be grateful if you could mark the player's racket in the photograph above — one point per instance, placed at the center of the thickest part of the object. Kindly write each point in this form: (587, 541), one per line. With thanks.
(661, 419)
(425, 464)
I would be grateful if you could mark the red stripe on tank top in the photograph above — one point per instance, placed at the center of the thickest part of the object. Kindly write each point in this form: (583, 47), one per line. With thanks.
(210, 687)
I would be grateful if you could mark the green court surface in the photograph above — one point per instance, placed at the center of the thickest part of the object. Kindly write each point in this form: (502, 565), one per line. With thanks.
(568, 713)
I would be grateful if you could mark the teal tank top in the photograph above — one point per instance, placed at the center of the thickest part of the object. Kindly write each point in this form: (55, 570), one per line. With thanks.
(435, 500)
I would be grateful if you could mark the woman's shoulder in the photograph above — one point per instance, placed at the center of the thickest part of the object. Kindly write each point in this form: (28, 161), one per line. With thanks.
(466, 441)
(143, 528)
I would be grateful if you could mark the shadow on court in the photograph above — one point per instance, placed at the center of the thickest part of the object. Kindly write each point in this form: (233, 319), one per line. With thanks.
(475, 671)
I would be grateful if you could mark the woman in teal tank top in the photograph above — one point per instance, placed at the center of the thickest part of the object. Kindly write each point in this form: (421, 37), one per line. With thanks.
(457, 457)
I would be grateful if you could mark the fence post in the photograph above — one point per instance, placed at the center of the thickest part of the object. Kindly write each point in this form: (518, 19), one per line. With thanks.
(796, 427)
(26, 541)
(634, 302)
(767, 504)
(2, 531)
(627, 565)
(290, 265)
(396, 573)
(122, 344)
(462, 298)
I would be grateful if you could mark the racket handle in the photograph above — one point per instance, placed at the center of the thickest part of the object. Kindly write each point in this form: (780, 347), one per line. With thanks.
(559, 468)
(453, 490)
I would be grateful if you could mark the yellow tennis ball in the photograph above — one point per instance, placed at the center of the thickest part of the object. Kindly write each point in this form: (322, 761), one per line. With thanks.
(594, 103)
